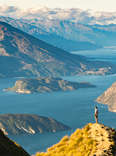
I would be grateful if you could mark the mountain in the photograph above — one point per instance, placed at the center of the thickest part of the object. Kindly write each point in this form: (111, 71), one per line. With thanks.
(17, 124)
(10, 148)
(109, 98)
(94, 28)
(92, 140)
(41, 85)
(51, 38)
(24, 55)
(71, 30)
(66, 34)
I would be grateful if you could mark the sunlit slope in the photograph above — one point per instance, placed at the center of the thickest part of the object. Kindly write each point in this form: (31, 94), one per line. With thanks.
(92, 140)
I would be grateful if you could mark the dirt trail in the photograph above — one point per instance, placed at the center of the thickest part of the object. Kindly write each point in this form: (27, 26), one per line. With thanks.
(105, 139)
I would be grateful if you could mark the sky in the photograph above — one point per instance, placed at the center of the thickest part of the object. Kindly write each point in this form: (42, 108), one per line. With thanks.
(95, 5)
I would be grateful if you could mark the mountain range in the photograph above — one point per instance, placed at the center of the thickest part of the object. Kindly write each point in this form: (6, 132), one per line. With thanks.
(58, 40)
(24, 55)
(66, 34)
(62, 27)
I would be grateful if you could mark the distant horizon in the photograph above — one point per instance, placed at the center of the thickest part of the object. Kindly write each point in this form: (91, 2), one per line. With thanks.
(92, 5)
(17, 12)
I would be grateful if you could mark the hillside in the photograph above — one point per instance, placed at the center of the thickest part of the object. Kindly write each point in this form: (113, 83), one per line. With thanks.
(10, 148)
(109, 98)
(17, 124)
(23, 55)
(48, 84)
(92, 140)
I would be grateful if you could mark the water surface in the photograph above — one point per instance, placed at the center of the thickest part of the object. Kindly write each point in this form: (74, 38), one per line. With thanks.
(74, 108)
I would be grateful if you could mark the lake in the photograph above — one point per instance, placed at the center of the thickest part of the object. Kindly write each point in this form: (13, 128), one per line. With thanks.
(75, 108)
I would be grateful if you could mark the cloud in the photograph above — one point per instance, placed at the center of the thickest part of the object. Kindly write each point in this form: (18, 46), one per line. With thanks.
(74, 15)
(10, 11)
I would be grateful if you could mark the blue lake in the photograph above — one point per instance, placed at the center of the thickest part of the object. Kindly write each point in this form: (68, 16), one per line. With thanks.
(104, 54)
(74, 108)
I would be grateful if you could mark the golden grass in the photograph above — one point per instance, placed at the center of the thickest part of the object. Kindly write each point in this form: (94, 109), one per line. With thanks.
(78, 144)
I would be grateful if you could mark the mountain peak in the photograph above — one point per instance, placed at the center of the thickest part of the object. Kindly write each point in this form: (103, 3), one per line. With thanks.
(92, 140)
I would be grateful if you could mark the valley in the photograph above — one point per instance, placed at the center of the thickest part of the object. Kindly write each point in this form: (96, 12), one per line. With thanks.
(58, 67)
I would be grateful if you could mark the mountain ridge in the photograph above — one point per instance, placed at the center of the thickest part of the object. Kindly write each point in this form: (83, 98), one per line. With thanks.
(22, 46)
(51, 38)
(92, 140)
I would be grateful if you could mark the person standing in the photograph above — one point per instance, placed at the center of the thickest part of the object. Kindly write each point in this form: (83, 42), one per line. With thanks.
(96, 114)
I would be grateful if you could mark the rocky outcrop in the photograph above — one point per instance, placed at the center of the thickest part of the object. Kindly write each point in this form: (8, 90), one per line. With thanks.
(92, 140)
(109, 98)
(10, 148)
(29, 124)
(40, 85)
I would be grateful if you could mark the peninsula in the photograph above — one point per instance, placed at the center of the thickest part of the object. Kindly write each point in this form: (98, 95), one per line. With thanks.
(17, 124)
(49, 84)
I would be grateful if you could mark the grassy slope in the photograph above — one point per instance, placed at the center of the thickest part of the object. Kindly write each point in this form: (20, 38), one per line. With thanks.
(92, 140)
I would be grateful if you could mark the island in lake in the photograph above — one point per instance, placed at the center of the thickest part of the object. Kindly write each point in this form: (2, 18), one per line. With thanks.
(17, 124)
(49, 84)
(109, 98)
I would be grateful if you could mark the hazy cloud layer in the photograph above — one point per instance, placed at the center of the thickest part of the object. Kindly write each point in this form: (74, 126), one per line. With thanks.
(74, 15)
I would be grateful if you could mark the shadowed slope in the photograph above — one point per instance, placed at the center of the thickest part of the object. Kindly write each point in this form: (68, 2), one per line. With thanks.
(10, 148)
